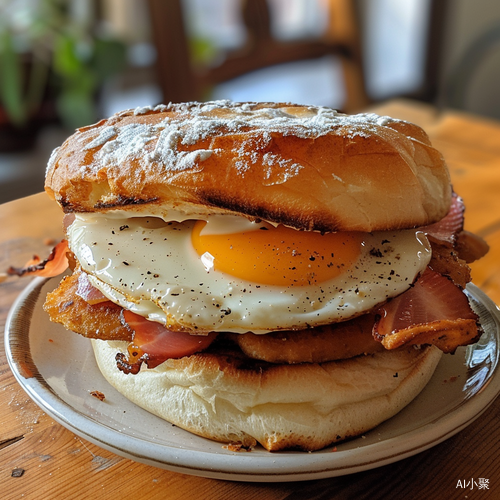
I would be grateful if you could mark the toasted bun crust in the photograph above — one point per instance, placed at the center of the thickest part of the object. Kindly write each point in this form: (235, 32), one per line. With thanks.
(307, 167)
(306, 406)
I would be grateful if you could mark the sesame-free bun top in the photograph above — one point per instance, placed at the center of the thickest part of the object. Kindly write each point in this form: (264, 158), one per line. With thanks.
(304, 166)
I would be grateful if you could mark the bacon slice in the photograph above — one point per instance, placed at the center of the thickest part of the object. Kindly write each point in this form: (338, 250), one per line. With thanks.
(55, 264)
(470, 247)
(434, 311)
(446, 261)
(450, 225)
(153, 343)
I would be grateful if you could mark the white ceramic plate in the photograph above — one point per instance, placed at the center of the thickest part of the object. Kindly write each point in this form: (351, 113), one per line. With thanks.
(57, 369)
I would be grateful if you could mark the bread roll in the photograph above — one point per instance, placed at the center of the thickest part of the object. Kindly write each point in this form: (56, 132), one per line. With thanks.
(306, 406)
(306, 167)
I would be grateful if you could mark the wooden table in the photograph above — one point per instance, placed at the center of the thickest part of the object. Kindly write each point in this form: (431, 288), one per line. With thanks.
(57, 464)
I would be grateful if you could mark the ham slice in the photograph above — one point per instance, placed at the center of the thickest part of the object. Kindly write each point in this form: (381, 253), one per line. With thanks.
(434, 311)
(450, 225)
(453, 247)
(153, 343)
(56, 263)
(87, 292)
(68, 219)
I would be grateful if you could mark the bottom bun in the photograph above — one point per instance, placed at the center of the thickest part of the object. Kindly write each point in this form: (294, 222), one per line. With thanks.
(307, 406)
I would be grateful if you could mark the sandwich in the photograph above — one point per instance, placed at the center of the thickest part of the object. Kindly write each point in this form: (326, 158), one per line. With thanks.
(262, 273)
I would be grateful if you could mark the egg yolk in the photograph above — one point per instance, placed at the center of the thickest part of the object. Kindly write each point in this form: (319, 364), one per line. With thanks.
(279, 255)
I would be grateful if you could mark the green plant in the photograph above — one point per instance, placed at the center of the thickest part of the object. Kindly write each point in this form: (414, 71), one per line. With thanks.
(46, 48)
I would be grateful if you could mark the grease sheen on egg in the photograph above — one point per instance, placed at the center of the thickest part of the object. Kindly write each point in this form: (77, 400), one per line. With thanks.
(151, 267)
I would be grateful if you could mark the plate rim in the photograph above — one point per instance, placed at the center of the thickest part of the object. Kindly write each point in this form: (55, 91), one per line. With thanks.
(437, 431)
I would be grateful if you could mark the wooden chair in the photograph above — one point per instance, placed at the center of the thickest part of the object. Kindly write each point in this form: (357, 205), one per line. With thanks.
(456, 89)
(434, 58)
(182, 80)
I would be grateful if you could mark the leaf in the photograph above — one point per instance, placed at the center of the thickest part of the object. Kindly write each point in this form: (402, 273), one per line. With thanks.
(109, 58)
(203, 51)
(37, 83)
(66, 61)
(76, 108)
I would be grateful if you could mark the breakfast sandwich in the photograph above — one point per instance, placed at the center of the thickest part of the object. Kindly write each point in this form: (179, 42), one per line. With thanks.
(262, 272)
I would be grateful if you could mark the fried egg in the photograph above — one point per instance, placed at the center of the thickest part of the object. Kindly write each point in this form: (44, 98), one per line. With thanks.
(227, 273)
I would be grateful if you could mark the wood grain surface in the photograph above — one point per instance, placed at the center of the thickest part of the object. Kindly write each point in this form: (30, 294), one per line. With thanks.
(40, 459)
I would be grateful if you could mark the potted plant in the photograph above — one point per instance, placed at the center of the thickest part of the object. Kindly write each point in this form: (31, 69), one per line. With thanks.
(53, 61)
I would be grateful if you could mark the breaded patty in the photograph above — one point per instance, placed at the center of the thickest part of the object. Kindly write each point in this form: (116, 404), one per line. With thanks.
(97, 321)
(104, 321)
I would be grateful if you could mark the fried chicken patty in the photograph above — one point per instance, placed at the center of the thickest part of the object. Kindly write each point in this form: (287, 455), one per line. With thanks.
(326, 343)
(316, 345)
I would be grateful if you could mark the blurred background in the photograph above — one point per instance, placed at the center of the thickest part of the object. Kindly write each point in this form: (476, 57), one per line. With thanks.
(68, 63)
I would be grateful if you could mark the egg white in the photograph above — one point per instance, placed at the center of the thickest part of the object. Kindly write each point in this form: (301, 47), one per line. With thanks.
(149, 266)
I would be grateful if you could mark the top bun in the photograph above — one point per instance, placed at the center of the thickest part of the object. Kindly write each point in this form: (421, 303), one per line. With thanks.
(303, 166)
